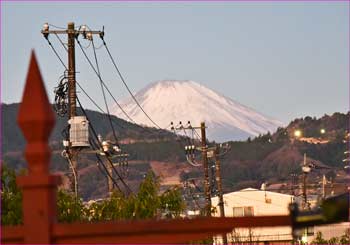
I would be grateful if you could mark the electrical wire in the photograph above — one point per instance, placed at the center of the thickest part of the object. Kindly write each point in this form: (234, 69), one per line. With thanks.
(60, 40)
(87, 95)
(143, 128)
(195, 199)
(104, 95)
(197, 135)
(88, 46)
(106, 171)
(58, 56)
(93, 68)
(99, 143)
(97, 106)
(186, 136)
(58, 27)
(127, 87)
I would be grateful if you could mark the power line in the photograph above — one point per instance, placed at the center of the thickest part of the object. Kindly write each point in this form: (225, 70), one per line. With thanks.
(97, 106)
(59, 39)
(127, 87)
(72, 34)
(104, 95)
(93, 68)
(58, 27)
(87, 95)
(94, 102)
(54, 50)
(143, 128)
(99, 143)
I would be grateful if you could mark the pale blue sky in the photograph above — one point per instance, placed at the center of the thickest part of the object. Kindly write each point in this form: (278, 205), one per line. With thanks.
(285, 60)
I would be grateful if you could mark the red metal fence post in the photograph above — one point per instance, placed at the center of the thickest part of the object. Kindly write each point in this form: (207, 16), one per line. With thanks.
(36, 119)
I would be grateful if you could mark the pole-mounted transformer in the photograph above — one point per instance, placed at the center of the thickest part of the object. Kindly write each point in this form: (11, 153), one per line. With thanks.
(79, 131)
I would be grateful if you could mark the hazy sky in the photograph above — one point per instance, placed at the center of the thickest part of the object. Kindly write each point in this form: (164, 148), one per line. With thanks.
(285, 60)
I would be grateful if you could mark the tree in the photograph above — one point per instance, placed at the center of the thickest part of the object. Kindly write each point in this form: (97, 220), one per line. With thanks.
(147, 203)
(11, 198)
(344, 239)
(171, 203)
(69, 209)
(319, 239)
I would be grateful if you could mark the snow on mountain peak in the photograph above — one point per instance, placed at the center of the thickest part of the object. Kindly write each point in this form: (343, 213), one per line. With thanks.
(174, 100)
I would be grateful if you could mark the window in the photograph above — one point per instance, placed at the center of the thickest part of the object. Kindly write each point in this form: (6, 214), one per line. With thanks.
(238, 212)
(243, 211)
(248, 211)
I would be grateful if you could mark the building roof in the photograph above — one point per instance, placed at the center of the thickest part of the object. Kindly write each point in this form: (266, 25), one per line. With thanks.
(253, 190)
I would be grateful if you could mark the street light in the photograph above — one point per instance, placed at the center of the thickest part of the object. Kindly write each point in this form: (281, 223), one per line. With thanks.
(297, 133)
(322, 131)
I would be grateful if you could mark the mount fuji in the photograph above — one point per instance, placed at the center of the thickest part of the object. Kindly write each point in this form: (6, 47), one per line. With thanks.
(173, 101)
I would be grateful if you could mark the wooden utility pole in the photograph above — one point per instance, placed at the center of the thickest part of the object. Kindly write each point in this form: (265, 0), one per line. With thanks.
(206, 170)
(306, 169)
(218, 181)
(72, 96)
(304, 190)
(324, 182)
(72, 101)
(219, 185)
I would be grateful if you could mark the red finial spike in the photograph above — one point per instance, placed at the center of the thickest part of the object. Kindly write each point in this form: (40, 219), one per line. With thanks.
(36, 119)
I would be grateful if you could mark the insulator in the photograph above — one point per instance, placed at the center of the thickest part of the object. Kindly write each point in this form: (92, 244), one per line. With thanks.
(89, 36)
(116, 149)
(105, 146)
(83, 28)
(46, 27)
(65, 143)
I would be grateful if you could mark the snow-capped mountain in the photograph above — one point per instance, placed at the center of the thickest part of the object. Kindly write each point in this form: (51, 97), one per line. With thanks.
(175, 101)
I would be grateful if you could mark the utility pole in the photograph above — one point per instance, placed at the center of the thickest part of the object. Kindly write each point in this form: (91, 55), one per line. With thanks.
(219, 185)
(304, 190)
(72, 96)
(294, 181)
(206, 170)
(75, 141)
(306, 169)
(190, 158)
(324, 182)
(109, 180)
(72, 100)
(218, 181)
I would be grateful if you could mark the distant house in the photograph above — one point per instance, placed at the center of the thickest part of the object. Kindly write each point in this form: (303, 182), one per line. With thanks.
(254, 202)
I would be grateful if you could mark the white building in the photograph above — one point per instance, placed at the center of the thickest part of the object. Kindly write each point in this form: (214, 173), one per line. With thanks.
(254, 202)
